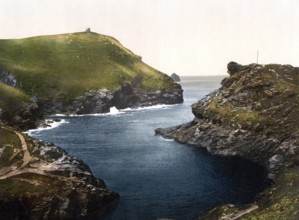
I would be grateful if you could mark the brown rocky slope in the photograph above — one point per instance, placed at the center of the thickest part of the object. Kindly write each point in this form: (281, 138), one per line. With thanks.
(253, 115)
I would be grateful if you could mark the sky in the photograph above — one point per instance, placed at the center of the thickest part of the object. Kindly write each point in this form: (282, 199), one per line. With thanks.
(188, 37)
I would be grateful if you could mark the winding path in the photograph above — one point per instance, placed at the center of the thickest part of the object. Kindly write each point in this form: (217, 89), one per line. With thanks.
(10, 171)
(26, 155)
(14, 170)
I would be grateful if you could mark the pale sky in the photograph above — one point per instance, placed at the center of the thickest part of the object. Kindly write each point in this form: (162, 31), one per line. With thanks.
(188, 37)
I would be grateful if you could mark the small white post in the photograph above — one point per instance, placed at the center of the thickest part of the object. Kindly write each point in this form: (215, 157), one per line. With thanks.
(257, 57)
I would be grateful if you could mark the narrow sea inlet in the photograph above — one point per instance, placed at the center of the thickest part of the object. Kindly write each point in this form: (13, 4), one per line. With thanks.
(156, 178)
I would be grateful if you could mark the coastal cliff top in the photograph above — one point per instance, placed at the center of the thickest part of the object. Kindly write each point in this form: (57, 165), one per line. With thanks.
(64, 66)
(263, 98)
(254, 115)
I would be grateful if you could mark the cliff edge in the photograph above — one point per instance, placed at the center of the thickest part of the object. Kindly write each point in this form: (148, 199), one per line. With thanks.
(253, 115)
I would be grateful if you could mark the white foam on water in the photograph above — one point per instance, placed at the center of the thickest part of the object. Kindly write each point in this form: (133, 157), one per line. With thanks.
(53, 123)
(153, 107)
(114, 111)
(166, 139)
(50, 124)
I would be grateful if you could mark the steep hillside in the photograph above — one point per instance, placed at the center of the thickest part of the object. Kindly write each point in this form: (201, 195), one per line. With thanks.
(62, 70)
(253, 115)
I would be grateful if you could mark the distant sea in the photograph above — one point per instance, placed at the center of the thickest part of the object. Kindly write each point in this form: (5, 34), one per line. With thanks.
(156, 178)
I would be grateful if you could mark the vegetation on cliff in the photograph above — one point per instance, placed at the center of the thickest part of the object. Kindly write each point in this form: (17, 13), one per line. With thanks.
(260, 96)
(62, 67)
(253, 115)
(16, 108)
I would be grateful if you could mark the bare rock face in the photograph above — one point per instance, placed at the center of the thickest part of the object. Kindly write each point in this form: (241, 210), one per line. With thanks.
(175, 77)
(253, 115)
(41, 181)
(28, 116)
(7, 78)
(128, 96)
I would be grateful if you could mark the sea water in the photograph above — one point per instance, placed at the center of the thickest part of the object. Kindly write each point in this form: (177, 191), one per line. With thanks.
(155, 177)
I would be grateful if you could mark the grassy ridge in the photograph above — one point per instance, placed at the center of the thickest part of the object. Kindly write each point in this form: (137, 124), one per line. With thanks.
(61, 67)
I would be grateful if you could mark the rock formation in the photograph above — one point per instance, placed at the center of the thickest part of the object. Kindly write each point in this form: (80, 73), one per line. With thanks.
(175, 77)
(253, 115)
(127, 96)
(41, 181)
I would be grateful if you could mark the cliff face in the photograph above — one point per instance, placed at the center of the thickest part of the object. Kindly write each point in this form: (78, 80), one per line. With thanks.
(253, 115)
(41, 181)
(127, 96)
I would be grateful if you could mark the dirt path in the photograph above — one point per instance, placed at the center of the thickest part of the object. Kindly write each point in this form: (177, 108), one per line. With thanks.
(26, 154)
(26, 159)
(13, 170)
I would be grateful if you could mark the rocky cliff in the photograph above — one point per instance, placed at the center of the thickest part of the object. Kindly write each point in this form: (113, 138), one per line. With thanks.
(175, 77)
(126, 96)
(41, 181)
(253, 115)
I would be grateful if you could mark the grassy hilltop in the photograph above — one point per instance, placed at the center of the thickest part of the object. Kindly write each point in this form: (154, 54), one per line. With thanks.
(62, 67)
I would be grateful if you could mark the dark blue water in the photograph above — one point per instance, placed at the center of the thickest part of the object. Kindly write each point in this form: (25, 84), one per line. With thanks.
(156, 178)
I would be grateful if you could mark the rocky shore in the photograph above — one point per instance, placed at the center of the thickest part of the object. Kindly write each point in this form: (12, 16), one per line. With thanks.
(127, 96)
(41, 181)
(253, 115)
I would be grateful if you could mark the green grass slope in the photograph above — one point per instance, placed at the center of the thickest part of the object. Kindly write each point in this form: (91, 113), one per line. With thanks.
(61, 67)
(17, 109)
(12, 99)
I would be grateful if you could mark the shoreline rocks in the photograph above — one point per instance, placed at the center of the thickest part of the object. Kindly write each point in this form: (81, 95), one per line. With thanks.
(41, 181)
(100, 101)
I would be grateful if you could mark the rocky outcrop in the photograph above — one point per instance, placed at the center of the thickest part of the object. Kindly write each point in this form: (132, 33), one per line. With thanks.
(128, 96)
(253, 115)
(7, 78)
(27, 116)
(41, 181)
(175, 77)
